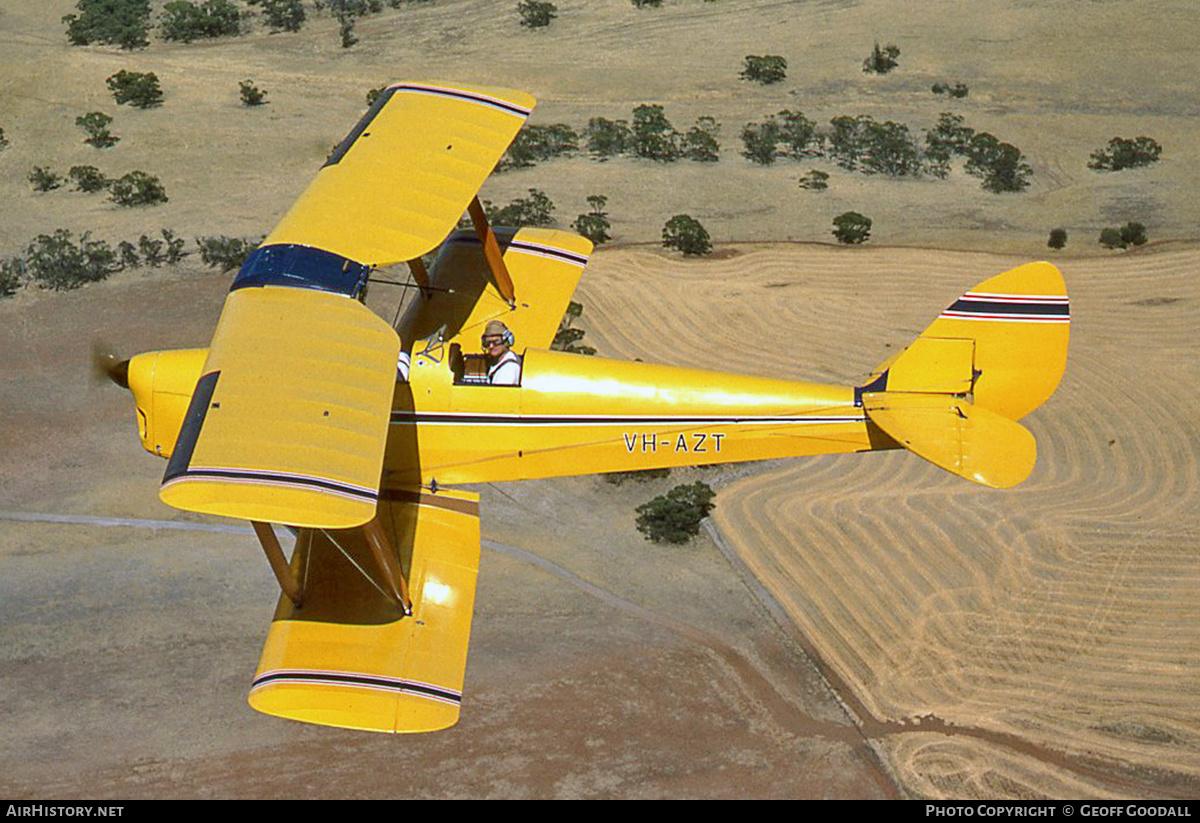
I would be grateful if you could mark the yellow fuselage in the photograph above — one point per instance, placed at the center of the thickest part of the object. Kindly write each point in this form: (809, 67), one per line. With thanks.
(574, 414)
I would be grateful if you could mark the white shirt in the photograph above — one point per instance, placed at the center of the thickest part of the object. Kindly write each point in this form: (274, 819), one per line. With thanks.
(506, 371)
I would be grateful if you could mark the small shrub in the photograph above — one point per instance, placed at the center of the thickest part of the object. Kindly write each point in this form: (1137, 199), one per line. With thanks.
(767, 69)
(1058, 239)
(251, 94)
(1125, 154)
(137, 189)
(881, 61)
(117, 22)
(815, 180)
(57, 262)
(88, 178)
(675, 517)
(95, 124)
(1131, 234)
(637, 475)
(12, 276)
(685, 234)
(42, 179)
(284, 15)
(225, 253)
(536, 14)
(958, 90)
(851, 228)
(346, 31)
(168, 250)
(184, 21)
(642, 4)
(139, 89)
(4, 144)
(594, 225)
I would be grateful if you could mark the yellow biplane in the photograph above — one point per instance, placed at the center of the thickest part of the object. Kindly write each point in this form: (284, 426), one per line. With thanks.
(310, 411)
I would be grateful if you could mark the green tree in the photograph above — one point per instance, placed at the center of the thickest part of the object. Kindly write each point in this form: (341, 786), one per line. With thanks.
(685, 234)
(95, 124)
(765, 69)
(1001, 165)
(675, 517)
(1125, 154)
(567, 337)
(606, 138)
(139, 89)
(535, 210)
(851, 228)
(1058, 239)
(1131, 234)
(225, 253)
(116, 22)
(284, 15)
(12, 276)
(534, 144)
(536, 14)
(594, 225)
(43, 179)
(185, 21)
(700, 143)
(654, 138)
(760, 141)
(815, 180)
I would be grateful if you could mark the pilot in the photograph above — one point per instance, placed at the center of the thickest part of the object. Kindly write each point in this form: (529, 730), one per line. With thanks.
(504, 367)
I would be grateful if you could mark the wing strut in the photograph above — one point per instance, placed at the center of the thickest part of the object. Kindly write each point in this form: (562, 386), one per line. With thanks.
(283, 573)
(491, 251)
(389, 564)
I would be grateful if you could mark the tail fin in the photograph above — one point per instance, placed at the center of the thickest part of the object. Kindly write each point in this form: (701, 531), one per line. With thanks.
(955, 394)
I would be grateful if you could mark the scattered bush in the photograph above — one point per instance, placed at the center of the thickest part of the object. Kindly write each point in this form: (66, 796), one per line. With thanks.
(57, 262)
(284, 15)
(536, 14)
(137, 189)
(684, 233)
(1131, 234)
(139, 89)
(700, 143)
(851, 228)
(642, 4)
(95, 124)
(186, 21)
(675, 517)
(88, 179)
(251, 94)
(534, 210)
(1125, 154)
(594, 225)
(567, 338)
(42, 179)
(637, 475)
(1001, 165)
(537, 143)
(767, 69)
(815, 180)
(881, 61)
(1058, 238)
(225, 253)
(4, 144)
(861, 144)
(958, 90)
(155, 253)
(116, 22)
(12, 276)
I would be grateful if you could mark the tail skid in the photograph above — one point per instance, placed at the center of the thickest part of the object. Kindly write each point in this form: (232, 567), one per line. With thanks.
(954, 396)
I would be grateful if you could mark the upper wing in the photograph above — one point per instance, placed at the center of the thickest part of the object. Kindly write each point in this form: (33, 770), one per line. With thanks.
(400, 181)
(290, 418)
(348, 657)
(545, 266)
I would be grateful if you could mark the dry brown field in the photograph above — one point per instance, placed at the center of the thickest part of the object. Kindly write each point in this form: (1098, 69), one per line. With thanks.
(862, 626)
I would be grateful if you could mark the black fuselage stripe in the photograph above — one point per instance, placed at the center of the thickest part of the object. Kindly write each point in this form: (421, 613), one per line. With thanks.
(359, 680)
(998, 307)
(548, 420)
(268, 477)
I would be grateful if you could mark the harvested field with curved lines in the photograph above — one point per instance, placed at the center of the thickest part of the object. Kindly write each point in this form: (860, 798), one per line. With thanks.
(1045, 633)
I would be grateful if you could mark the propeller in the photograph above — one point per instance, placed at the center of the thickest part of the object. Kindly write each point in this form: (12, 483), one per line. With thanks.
(106, 363)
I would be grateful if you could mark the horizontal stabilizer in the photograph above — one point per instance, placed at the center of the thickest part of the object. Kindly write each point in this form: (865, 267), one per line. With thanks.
(961, 438)
(348, 657)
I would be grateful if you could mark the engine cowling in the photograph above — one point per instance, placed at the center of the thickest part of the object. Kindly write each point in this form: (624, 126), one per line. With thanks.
(162, 383)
